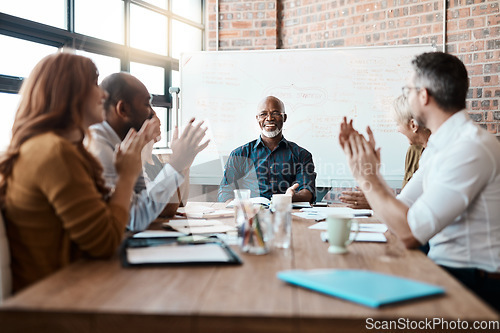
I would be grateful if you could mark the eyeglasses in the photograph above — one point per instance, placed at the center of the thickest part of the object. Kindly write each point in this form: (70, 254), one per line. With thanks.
(274, 114)
(406, 90)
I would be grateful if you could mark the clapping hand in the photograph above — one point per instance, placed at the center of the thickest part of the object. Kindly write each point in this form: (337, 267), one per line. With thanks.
(128, 154)
(187, 146)
(362, 155)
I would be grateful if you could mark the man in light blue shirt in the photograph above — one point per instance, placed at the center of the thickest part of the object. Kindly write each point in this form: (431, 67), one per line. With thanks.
(128, 106)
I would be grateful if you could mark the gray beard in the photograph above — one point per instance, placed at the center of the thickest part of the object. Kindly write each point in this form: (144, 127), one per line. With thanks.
(271, 134)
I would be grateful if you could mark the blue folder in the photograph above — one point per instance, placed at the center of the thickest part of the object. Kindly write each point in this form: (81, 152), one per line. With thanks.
(364, 287)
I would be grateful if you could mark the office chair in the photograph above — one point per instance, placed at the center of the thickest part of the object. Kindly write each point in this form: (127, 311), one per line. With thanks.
(5, 272)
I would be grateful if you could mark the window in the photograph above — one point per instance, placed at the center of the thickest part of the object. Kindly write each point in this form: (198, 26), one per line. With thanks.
(18, 57)
(50, 12)
(9, 104)
(159, 3)
(162, 114)
(148, 30)
(105, 65)
(100, 18)
(185, 38)
(143, 37)
(190, 9)
(152, 77)
(176, 79)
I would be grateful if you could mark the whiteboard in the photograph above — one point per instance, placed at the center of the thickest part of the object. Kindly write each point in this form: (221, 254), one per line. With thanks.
(318, 88)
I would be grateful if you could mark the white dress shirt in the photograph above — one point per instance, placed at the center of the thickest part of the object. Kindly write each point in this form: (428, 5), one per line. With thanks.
(454, 197)
(150, 197)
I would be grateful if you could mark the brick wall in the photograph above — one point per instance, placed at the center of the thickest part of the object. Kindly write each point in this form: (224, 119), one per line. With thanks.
(472, 33)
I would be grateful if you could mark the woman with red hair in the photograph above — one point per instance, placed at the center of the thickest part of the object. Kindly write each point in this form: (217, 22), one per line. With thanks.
(52, 194)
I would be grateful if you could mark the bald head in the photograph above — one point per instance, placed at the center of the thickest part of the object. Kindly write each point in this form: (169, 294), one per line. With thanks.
(128, 103)
(120, 86)
(270, 100)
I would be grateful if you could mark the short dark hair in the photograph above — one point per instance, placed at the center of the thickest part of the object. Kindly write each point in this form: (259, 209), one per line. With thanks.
(445, 78)
(118, 88)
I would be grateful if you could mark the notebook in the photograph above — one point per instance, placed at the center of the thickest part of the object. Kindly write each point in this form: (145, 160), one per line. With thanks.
(364, 287)
(188, 250)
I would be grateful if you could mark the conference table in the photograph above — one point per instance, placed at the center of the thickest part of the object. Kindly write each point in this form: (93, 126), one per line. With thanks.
(103, 296)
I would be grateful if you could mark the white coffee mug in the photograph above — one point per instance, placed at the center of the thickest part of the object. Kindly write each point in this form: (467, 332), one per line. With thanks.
(339, 232)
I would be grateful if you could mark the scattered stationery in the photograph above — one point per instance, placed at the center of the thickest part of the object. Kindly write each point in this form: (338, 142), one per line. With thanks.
(256, 201)
(176, 251)
(198, 226)
(361, 237)
(364, 287)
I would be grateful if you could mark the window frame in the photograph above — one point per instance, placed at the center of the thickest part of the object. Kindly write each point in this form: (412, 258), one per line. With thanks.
(21, 28)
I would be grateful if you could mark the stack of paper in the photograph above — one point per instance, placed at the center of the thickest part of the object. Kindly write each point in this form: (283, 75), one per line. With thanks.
(177, 254)
(211, 214)
(199, 226)
(320, 213)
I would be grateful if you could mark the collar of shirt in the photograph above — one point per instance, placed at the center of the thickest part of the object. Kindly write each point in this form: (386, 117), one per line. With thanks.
(104, 129)
(447, 131)
(260, 143)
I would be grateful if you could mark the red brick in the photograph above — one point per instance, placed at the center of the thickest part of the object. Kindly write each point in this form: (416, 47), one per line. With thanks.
(420, 30)
(241, 24)
(326, 23)
(271, 32)
(483, 9)
(492, 128)
(471, 23)
(475, 70)
(492, 20)
(459, 13)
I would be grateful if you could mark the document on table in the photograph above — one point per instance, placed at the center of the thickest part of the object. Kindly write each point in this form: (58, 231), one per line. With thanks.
(361, 237)
(199, 226)
(363, 227)
(205, 212)
(320, 213)
(256, 201)
(158, 233)
(211, 214)
(177, 254)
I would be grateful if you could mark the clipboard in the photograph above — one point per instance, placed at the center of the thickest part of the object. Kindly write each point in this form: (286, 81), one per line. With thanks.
(176, 251)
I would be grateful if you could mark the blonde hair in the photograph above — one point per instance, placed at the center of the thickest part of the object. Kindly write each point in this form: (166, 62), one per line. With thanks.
(401, 110)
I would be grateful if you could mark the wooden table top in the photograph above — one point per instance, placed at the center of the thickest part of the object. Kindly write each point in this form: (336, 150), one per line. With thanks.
(100, 295)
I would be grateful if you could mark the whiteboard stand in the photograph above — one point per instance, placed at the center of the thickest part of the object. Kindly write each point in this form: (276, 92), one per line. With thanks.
(174, 91)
